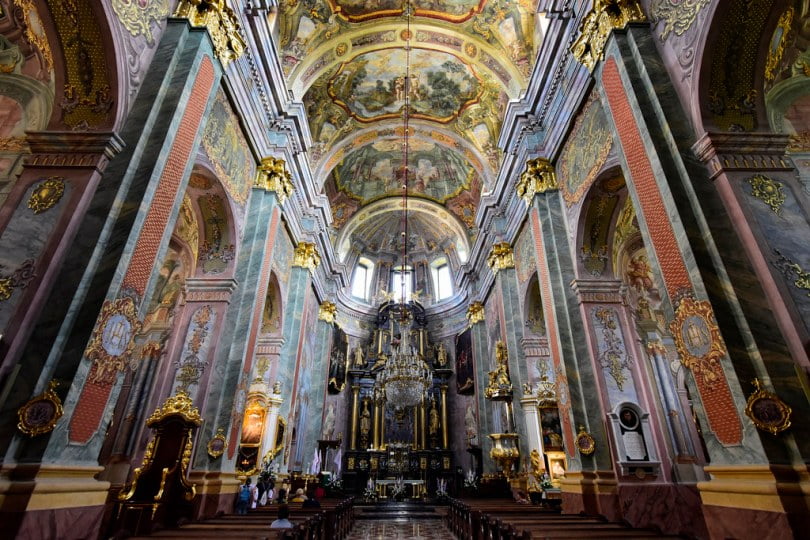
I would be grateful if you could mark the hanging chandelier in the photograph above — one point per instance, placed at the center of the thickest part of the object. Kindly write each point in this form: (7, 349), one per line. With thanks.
(406, 378)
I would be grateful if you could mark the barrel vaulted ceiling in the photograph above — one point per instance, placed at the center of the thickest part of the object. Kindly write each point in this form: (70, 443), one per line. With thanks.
(346, 60)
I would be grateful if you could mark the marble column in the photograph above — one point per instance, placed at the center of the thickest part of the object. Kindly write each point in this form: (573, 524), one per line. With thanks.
(475, 314)
(534, 439)
(108, 268)
(355, 407)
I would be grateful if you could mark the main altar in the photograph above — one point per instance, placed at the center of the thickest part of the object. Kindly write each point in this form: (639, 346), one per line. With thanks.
(398, 432)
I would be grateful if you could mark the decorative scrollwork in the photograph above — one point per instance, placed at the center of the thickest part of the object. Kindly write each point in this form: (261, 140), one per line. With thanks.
(112, 341)
(177, 405)
(768, 191)
(138, 17)
(767, 410)
(606, 15)
(698, 339)
(327, 312)
(46, 194)
(221, 22)
(40, 414)
(678, 15)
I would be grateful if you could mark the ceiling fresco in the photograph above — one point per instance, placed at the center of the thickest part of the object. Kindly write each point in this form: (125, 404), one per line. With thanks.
(371, 86)
(346, 60)
(450, 10)
(376, 170)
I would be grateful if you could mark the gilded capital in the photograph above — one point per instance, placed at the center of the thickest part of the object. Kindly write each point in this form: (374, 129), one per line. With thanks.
(501, 257)
(306, 256)
(274, 176)
(538, 177)
(222, 25)
(606, 16)
(327, 312)
(475, 313)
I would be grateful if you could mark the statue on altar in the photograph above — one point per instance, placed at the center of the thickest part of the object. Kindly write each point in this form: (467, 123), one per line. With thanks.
(359, 358)
(365, 425)
(470, 425)
(329, 423)
(441, 355)
(499, 384)
(433, 425)
(537, 463)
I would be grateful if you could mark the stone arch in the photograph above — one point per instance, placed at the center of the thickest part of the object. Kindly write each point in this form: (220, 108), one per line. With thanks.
(595, 225)
(730, 86)
(533, 314)
(273, 311)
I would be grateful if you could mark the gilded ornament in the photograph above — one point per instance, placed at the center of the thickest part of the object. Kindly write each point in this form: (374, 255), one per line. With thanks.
(274, 176)
(539, 177)
(6, 288)
(799, 142)
(793, 271)
(585, 442)
(767, 410)
(138, 17)
(306, 256)
(112, 340)
(177, 405)
(46, 194)
(501, 257)
(776, 50)
(221, 22)
(697, 339)
(341, 49)
(475, 313)
(327, 312)
(216, 446)
(768, 191)
(40, 414)
(499, 386)
(34, 30)
(606, 16)
(678, 15)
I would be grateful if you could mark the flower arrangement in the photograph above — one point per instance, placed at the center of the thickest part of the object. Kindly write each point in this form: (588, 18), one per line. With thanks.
(333, 483)
(471, 480)
(370, 492)
(545, 483)
(441, 488)
(398, 488)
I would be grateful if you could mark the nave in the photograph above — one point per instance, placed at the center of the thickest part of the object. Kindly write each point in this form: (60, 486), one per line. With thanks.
(479, 519)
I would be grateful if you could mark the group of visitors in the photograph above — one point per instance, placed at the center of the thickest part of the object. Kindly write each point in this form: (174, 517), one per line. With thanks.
(263, 492)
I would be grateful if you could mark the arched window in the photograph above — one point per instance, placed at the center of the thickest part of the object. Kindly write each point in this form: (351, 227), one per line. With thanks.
(361, 283)
(442, 280)
(402, 283)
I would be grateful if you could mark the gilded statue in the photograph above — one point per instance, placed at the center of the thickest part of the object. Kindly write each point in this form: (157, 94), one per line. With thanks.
(499, 384)
(433, 426)
(359, 358)
(537, 463)
(365, 425)
(441, 355)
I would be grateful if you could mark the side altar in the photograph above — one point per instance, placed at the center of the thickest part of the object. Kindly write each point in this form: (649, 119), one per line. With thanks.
(398, 423)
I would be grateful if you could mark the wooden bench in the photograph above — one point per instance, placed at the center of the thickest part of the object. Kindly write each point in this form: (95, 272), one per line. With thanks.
(506, 520)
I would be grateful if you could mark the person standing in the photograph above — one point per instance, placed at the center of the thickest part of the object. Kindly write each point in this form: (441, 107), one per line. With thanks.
(243, 498)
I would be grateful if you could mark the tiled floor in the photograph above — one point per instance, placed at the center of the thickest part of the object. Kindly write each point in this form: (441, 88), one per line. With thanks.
(426, 529)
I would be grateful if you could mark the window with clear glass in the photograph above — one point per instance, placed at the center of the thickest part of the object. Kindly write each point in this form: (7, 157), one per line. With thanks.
(442, 280)
(402, 283)
(361, 283)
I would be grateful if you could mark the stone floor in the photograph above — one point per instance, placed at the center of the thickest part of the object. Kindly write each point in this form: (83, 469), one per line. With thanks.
(400, 529)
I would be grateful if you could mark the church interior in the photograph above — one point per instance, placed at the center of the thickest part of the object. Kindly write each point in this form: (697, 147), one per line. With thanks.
(535, 257)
